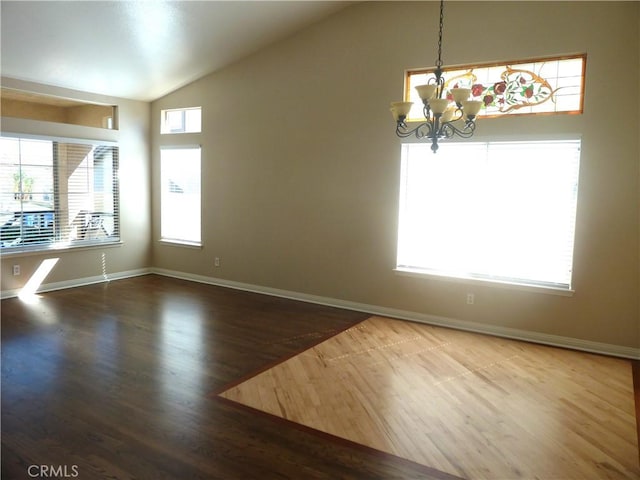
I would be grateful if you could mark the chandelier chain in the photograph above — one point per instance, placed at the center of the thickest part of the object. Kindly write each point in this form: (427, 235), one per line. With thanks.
(439, 61)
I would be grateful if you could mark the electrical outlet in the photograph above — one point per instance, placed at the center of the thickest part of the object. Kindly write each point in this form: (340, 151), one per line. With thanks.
(216, 262)
(16, 269)
(471, 298)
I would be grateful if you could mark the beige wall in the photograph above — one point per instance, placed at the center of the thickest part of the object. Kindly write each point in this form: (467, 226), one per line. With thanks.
(301, 165)
(87, 115)
(133, 142)
(90, 115)
(34, 111)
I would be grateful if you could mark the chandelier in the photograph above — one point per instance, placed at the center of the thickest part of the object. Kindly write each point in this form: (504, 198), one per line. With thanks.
(447, 114)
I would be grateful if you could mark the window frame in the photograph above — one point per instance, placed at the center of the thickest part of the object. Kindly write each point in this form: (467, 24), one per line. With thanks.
(93, 219)
(408, 90)
(483, 279)
(165, 125)
(176, 240)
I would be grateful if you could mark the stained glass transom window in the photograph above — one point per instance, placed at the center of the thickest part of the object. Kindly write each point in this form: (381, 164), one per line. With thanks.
(548, 85)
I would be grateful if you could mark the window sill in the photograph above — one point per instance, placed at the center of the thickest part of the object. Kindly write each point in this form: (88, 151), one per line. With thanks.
(409, 272)
(180, 243)
(23, 252)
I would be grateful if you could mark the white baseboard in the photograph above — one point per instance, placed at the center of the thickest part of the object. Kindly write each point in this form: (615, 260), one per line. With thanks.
(505, 332)
(79, 282)
(513, 333)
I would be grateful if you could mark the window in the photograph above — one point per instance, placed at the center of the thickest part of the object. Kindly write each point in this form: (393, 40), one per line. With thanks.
(549, 85)
(180, 216)
(57, 194)
(181, 120)
(501, 212)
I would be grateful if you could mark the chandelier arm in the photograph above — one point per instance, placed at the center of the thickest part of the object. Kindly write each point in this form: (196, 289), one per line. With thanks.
(400, 132)
(458, 114)
(449, 130)
(420, 131)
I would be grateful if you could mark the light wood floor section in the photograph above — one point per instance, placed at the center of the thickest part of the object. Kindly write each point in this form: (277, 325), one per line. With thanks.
(469, 405)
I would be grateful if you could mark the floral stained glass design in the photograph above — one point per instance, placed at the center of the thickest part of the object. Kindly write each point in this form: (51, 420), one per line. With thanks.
(550, 85)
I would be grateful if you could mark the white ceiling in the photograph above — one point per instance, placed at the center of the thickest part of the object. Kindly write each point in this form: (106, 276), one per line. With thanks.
(141, 49)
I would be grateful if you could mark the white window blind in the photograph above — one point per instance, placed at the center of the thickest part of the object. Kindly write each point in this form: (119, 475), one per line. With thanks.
(180, 218)
(56, 193)
(494, 211)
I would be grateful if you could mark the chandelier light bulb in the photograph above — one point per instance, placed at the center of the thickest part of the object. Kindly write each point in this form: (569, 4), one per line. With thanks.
(460, 95)
(426, 92)
(438, 105)
(400, 110)
(447, 116)
(472, 107)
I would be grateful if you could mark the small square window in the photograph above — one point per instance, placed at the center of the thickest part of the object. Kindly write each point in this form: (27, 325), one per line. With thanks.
(181, 120)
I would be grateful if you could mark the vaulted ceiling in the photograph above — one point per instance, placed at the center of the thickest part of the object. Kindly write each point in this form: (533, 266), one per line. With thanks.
(141, 49)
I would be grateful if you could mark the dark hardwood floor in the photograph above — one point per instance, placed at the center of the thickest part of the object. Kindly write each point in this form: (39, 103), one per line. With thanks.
(116, 381)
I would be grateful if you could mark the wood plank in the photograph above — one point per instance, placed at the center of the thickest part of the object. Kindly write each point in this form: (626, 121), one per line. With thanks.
(468, 405)
(116, 379)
